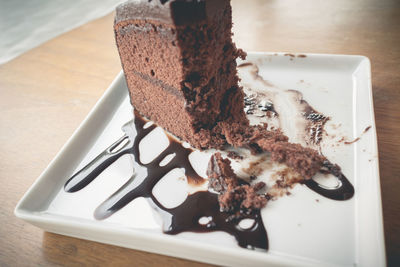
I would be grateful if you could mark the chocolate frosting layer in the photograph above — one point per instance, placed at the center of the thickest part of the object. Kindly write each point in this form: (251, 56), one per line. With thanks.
(177, 12)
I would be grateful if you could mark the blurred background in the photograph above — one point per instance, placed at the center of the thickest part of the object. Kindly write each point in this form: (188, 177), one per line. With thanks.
(25, 24)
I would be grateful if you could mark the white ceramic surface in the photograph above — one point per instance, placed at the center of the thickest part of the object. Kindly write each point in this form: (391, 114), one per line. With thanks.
(303, 228)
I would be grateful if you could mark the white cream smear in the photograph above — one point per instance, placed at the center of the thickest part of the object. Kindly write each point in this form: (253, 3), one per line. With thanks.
(291, 113)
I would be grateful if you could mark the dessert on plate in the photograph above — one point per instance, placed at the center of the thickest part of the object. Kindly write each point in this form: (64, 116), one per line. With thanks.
(180, 67)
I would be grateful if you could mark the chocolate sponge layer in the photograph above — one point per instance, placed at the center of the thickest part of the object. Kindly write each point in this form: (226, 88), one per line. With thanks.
(180, 65)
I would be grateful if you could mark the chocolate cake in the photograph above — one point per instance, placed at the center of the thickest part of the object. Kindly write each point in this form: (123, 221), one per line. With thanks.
(236, 196)
(179, 63)
(180, 66)
(306, 161)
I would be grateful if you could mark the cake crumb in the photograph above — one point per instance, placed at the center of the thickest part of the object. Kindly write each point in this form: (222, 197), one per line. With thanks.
(258, 139)
(351, 142)
(234, 155)
(258, 166)
(367, 129)
(235, 195)
(290, 55)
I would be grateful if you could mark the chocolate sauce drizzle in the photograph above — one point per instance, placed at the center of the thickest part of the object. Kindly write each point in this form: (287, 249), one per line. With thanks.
(184, 217)
(343, 191)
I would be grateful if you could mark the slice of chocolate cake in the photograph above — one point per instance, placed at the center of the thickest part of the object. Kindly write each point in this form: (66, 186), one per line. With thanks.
(180, 67)
(179, 63)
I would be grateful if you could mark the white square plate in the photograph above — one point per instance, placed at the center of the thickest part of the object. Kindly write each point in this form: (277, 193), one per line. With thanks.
(303, 228)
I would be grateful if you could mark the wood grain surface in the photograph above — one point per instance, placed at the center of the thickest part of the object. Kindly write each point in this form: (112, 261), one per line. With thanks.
(48, 91)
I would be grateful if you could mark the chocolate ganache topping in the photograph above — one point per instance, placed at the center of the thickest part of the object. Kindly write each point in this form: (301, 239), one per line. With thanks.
(177, 12)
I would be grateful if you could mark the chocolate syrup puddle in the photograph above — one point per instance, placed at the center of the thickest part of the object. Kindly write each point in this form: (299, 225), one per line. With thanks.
(343, 191)
(184, 217)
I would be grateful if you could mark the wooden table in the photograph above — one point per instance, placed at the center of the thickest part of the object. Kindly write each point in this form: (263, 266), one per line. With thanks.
(47, 92)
